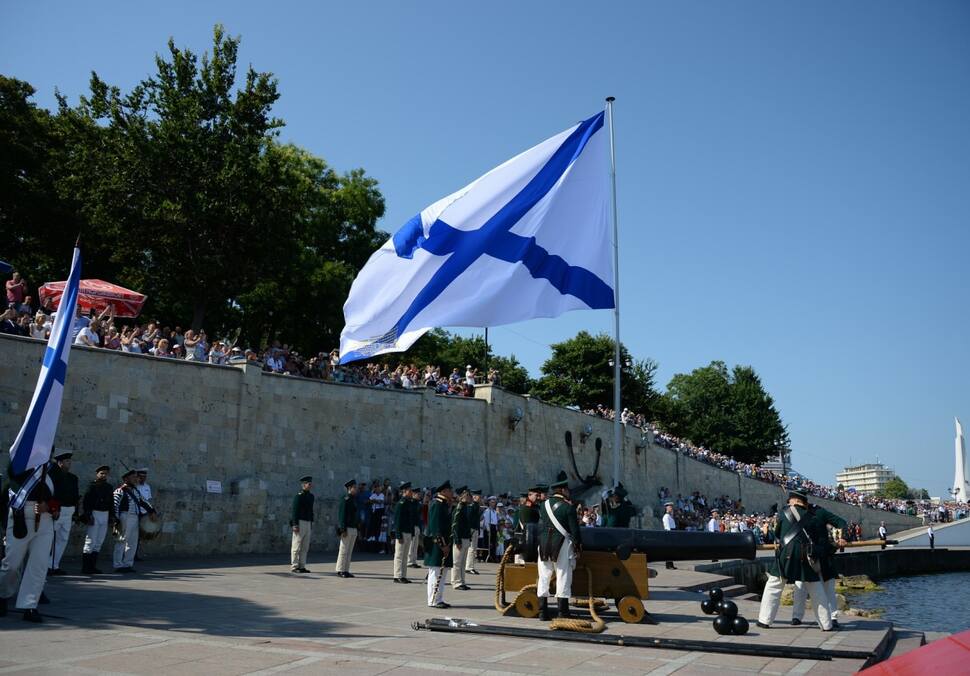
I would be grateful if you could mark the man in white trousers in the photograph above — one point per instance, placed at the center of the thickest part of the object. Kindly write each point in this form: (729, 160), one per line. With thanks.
(127, 504)
(347, 522)
(560, 544)
(30, 532)
(802, 542)
(98, 516)
(474, 519)
(403, 532)
(67, 494)
(437, 545)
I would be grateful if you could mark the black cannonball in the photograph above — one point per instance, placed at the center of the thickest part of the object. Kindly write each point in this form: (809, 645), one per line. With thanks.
(739, 626)
(709, 607)
(728, 608)
(716, 595)
(723, 625)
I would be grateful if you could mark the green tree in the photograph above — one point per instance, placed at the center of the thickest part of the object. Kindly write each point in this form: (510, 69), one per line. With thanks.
(579, 373)
(205, 211)
(37, 227)
(728, 411)
(895, 489)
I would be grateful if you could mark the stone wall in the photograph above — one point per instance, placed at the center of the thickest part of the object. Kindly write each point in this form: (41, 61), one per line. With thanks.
(256, 433)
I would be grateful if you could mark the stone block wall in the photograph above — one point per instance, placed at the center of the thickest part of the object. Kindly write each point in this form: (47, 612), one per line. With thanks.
(256, 433)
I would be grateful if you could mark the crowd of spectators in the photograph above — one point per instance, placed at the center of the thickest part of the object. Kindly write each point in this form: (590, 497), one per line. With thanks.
(789, 481)
(24, 318)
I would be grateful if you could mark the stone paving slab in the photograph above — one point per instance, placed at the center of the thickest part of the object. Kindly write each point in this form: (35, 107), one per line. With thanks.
(249, 615)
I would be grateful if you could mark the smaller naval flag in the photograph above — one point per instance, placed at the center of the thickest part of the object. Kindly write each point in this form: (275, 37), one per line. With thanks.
(32, 448)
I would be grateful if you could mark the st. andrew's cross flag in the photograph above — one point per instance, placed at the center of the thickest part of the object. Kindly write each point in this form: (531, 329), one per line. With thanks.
(32, 448)
(530, 238)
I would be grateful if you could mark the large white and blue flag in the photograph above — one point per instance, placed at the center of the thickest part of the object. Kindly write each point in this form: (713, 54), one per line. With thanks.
(32, 448)
(530, 238)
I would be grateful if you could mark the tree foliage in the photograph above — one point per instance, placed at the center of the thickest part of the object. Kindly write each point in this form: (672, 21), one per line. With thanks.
(182, 191)
(728, 411)
(579, 373)
(895, 489)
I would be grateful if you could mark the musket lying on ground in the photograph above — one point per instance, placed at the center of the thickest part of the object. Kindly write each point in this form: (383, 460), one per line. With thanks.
(848, 545)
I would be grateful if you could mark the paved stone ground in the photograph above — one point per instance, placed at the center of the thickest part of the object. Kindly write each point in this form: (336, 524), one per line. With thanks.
(242, 615)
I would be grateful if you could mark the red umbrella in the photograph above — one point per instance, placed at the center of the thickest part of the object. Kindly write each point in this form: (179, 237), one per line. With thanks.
(98, 295)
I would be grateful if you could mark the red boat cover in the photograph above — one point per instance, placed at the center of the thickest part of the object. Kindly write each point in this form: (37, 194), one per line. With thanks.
(945, 657)
(98, 295)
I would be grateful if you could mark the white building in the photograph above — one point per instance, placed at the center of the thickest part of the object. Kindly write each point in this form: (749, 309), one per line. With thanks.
(866, 479)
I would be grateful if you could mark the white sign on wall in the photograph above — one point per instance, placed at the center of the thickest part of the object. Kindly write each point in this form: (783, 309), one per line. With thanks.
(213, 486)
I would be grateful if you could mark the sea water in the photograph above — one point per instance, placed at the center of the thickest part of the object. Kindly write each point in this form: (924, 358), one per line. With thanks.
(937, 602)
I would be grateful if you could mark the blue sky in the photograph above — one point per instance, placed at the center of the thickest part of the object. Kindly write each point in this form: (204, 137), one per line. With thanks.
(793, 179)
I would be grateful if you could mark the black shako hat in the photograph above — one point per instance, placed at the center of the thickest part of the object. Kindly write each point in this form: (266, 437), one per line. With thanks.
(404, 486)
(352, 482)
(477, 491)
(460, 490)
(443, 487)
(129, 473)
(799, 495)
(103, 468)
(542, 488)
(306, 479)
(559, 483)
(538, 488)
(66, 455)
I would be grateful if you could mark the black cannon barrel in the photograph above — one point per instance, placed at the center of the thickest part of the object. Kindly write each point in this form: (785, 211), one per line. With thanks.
(658, 545)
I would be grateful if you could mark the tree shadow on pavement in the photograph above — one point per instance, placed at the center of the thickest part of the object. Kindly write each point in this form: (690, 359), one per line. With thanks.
(102, 607)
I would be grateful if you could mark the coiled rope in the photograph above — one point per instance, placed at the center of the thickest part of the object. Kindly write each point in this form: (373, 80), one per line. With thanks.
(560, 624)
(583, 626)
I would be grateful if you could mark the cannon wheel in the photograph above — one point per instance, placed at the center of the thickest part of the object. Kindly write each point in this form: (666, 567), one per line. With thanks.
(631, 609)
(527, 604)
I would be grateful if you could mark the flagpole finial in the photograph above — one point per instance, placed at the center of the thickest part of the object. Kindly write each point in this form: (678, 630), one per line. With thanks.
(77, 243)
(610, 99)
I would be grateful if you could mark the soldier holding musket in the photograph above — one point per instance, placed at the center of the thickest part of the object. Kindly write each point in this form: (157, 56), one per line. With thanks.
(560, 544)
(301, 522)
(437, 545)
(461, 533)
(402, 530)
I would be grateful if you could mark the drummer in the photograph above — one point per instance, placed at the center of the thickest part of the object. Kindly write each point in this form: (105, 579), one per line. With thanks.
(145, 493)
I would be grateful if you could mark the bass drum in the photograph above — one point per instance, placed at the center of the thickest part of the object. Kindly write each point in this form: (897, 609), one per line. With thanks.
(149, 527)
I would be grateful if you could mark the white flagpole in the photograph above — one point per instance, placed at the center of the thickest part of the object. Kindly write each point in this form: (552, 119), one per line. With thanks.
(617, 427)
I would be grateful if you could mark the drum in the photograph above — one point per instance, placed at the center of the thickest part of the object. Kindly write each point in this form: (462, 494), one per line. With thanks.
(149, 526)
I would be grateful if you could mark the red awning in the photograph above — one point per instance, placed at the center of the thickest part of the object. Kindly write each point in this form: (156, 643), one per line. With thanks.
(97, 295)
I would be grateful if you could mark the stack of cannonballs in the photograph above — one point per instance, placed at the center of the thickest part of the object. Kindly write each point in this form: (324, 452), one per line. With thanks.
(727, 621)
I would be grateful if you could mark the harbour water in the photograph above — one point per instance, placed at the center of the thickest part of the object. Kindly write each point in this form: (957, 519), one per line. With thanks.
(936, 602)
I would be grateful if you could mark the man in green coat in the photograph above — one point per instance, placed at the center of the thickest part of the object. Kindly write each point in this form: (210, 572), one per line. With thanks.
(461, 533)
(437, 545)
(528, 513)
(347, 528)
(828, 572)
(474, 516)
(617, 509)
(402, 531)
(560, 544)
(301, 521)
(799, 535)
